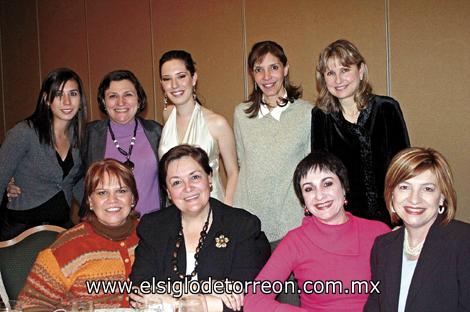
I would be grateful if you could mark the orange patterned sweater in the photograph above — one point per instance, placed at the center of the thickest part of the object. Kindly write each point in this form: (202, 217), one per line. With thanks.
(61, 271)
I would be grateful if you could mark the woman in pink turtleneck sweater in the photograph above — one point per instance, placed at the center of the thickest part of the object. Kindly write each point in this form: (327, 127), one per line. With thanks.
(330, 245)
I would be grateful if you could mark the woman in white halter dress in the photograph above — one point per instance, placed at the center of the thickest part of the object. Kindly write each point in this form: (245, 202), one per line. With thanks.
(187, 122)
(197, 133)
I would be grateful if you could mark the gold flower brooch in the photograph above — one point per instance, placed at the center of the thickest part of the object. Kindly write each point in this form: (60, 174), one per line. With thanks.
(221, 241)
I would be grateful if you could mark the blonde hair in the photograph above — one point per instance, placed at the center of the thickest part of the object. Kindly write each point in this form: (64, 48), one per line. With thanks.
(348, 55)
(413, 161)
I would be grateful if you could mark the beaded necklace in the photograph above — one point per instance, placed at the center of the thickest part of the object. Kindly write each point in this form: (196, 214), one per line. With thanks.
(180, 240)
(127, 154)
(412, 251)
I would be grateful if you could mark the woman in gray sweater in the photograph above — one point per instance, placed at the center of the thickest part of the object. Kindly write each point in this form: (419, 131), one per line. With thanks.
(272, 132)
(42, 154)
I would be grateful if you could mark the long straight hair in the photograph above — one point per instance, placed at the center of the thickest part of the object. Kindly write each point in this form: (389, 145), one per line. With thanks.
(42, 119)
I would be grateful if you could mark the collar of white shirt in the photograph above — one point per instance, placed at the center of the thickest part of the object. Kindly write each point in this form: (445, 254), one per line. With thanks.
(275, 113)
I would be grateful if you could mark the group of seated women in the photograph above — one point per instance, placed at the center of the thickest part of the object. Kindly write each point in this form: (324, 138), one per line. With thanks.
(283, 156)
(422, 266)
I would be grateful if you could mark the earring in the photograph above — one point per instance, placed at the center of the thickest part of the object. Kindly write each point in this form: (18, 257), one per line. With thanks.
(345, 202)
(256, 87)
(210, 187)
(165, 102)
(132, 205)
(392, 209)
(441, 209)
(91, 208)
(194, 94)
(307, 213)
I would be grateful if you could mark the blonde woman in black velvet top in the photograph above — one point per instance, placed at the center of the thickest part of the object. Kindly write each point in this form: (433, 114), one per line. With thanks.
(362, 129)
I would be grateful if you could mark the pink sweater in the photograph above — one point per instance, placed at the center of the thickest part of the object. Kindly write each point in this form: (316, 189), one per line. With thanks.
(319, 252)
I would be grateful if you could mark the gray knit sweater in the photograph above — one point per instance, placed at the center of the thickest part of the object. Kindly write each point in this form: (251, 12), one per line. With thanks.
(268, 152)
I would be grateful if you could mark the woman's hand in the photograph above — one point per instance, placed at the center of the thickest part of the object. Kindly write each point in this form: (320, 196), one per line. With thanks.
(139, 299)
(13, 190)
(232, 301)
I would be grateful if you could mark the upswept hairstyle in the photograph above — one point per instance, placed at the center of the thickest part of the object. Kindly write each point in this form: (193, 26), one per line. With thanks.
(113, 169)
(348, 55)
(42, 118)
(119, 75)
(320, 160)
(178, 152)
(257, 54)
(183, 56)
(413, 161)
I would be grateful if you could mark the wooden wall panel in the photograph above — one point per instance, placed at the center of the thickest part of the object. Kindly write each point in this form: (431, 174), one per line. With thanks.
(430, 64)
(20, 59)
(212, 31)
(119, 33)
(305, 27)
(68, 47)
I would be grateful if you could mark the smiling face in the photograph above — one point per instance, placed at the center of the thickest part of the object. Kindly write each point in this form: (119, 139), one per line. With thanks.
(121, 101)
(177, 82)
(343, 81)
(417, 200)
(111, 201)
(188, 185)
(269, 76)
(324, 196)
(66, 103)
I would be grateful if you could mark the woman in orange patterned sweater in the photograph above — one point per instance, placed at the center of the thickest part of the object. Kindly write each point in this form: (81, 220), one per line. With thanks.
(101, 248)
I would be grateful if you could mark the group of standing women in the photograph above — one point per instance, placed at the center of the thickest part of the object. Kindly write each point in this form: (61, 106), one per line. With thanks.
(352, 133)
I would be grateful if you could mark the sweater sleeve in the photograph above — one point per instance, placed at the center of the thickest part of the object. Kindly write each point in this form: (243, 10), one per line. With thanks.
(278, 268)
(397, 133)
(46, 286)
(251, 252)
(12, 152)
(319, 130)
(463, 273)
(146, 259)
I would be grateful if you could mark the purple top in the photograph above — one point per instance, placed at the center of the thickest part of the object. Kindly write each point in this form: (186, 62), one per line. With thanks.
(143, 157)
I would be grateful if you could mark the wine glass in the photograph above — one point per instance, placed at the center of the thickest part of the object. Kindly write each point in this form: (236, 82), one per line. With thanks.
(192, 304)
(82, 306)
(151, 304)
(10, 306)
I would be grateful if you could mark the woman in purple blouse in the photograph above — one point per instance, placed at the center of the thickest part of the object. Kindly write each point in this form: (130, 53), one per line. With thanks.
(125, 136)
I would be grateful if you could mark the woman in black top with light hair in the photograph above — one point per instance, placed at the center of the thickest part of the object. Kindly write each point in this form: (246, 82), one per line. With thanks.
(362, 129)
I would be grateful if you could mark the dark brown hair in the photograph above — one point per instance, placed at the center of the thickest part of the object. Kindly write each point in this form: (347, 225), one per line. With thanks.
(322, 161)
(257, 53)
(119, 75)
(180, 151)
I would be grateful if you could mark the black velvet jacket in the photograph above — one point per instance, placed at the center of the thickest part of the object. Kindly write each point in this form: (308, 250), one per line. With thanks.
(366, 149)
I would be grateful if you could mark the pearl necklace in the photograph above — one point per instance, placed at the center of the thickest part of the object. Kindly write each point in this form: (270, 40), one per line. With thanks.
(412, 251)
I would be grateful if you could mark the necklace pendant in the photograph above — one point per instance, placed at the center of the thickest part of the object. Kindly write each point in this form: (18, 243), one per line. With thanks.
(128, 163)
